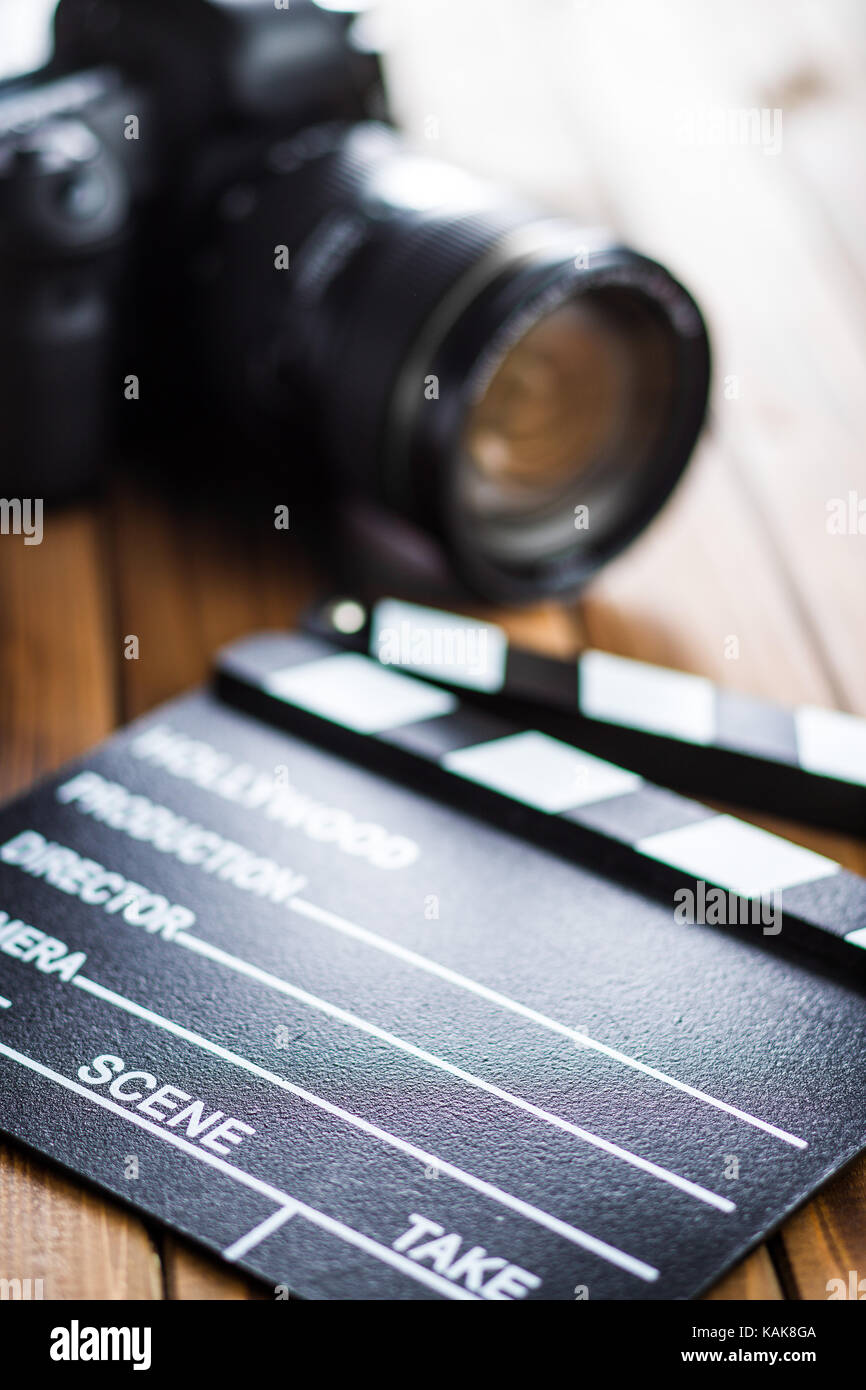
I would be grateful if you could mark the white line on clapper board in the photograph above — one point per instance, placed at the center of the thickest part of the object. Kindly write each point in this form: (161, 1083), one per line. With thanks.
(254, 972)
(381, 943)
(259, 1233)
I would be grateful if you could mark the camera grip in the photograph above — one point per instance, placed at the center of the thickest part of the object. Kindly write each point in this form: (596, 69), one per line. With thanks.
(56, 361)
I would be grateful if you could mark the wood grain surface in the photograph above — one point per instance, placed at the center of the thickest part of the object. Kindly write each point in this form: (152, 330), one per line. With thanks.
(772, 243)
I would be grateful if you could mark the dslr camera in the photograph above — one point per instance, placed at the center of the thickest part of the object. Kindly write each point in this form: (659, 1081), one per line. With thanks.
(210, 230)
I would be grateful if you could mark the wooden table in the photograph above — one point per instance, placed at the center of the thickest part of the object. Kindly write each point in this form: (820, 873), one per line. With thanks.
(740, 579)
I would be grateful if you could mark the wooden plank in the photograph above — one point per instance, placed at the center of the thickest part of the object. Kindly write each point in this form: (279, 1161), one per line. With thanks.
(826, 1240)
(56, 698)
(78, 1242)
(683, 596)
(187, 582)
(755, 1277)
(193, 1275)
(57, 694)
(738, 223)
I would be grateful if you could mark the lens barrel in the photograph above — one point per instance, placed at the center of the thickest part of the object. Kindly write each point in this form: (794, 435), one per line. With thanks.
(439, 344)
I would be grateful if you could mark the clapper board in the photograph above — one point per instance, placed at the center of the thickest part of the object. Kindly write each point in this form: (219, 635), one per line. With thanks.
(807, 762)
(380, 997)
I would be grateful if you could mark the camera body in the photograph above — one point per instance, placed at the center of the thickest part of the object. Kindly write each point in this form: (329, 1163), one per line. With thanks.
(147, 111)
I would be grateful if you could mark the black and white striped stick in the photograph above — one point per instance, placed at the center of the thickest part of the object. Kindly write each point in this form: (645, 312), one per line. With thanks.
(572, 802)
(806, 763)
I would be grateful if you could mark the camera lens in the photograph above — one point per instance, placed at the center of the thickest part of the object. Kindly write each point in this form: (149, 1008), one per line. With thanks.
(524, 389)
(547, 410)
(573, 410)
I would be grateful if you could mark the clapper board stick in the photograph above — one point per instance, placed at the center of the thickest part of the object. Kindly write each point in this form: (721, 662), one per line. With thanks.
(580, 806)
(673, 727)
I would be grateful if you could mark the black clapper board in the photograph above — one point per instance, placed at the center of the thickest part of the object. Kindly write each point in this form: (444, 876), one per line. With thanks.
(364, 1042)
(806, 763)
